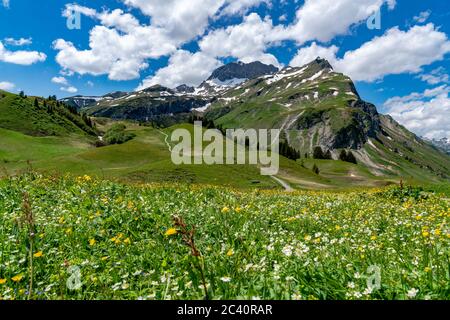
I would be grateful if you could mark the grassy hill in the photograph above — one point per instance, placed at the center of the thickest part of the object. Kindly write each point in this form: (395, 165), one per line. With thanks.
(47, 118)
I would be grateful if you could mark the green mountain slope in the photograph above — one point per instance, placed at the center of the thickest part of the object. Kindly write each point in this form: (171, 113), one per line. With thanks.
(48, 118)
(315, 106)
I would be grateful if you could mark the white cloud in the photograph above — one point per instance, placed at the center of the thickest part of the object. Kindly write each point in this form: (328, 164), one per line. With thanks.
(436, 76)
(422, 17)
(7, 86)
(118, 19)
(426, 114)
(395, 52)
(186, 20)
(60, 80)
(247, 41)
(120, 46)
(184, 68)
(18, 42)
(21, 57)
(5, 3)
(322, 20)
(241, 6)
(182, 20)
(69, 89)
(308, 54)
(121, 56)
(282, 18)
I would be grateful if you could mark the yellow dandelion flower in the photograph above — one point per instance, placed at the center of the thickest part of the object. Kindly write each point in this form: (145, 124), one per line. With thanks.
(427, 269)
(425, 234)
(17, 278)
(104, 258)
(38, 254)
(2, 281)
(127, 241)
(225, 210)
(230, 253)
(92, 242)
(437, 232)
(171, 232)
(338, 228)
(238, 209)
(69, 231)
(373, 238)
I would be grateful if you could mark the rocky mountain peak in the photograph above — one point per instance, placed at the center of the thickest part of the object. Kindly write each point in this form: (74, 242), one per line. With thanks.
(158, 88)
(184, 89)
(241, 70)
(322, 63)
(116, 94)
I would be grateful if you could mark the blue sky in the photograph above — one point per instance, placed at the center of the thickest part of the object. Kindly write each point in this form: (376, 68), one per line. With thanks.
(155, 41)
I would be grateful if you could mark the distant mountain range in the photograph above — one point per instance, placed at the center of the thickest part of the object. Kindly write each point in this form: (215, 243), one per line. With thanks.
(81, 102)
(442, 144)
(221, 79)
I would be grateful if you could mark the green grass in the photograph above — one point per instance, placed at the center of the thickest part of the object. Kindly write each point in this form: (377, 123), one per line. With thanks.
(20, 114)
(253, 244)
(17, 148)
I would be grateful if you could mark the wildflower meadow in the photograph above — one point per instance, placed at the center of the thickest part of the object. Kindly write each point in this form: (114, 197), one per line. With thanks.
(82, 238)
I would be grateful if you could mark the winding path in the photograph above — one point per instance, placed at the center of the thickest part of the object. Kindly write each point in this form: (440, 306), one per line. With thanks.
(166, 136)
(286, 186)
